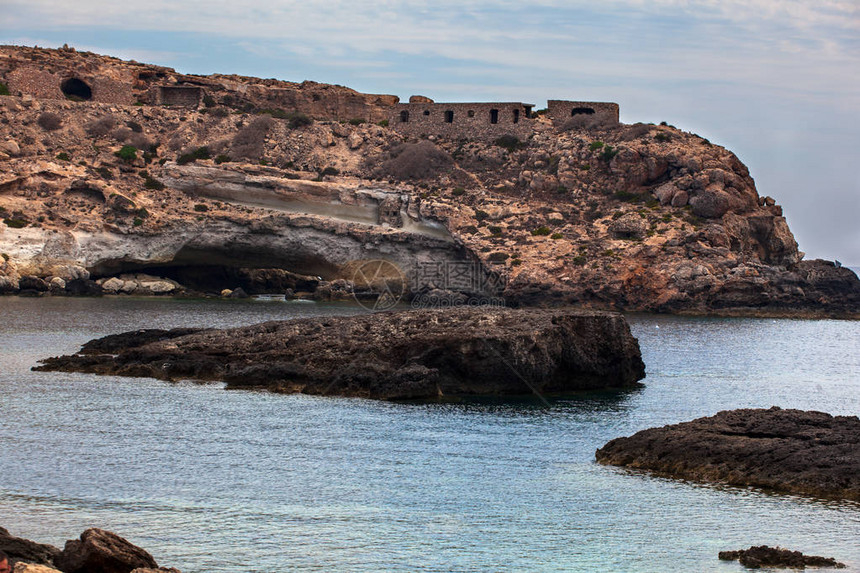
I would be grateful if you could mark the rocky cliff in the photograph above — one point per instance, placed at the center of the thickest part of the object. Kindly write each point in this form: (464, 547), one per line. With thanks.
(198, 189)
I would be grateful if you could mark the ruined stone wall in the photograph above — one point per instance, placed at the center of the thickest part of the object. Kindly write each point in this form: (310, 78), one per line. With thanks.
(44, 84)
(185, 96)
(562, 111)
(325, 102)
(480, 121)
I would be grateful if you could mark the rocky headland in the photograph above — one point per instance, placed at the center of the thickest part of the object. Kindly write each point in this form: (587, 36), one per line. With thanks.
(417, 354)
(126, 178)
(788, 451)
(96, 551)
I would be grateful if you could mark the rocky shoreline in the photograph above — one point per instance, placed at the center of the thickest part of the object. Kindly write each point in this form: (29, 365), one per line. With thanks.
(786, 451)
(416, 354)
(96, 551)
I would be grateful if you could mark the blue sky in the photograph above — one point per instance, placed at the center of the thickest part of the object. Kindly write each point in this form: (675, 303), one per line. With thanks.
(775, 81)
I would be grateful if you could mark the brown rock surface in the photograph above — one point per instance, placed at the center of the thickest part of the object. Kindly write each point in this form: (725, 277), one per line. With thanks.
(100, 551)
(19, 549)
(791, 451)
(390, 355)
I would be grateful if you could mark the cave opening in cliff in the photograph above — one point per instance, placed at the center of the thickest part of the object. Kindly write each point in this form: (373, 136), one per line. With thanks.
(213, 270)
(73, 88)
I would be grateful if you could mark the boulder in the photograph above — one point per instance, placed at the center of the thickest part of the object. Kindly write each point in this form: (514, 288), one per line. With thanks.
(665, 193)
(389, 355)
(355, 140)
(83, 287)
(712, 203)
(10, 147)
(238, 292)
(630, 226)
(680, 199)
(100, 551)
(113, 285)
(31, 283)
(158, 287)
(19, 549)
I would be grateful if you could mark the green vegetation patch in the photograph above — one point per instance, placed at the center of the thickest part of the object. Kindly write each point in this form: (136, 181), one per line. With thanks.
(128, 153)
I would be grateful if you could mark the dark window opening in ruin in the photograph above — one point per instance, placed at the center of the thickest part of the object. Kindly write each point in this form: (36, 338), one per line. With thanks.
(449, 116)
(73, 88)
(516, 116)
(528, 109)
(494, 116)
(582, 110)
(404, 117)
(426, 112)
(471, 113)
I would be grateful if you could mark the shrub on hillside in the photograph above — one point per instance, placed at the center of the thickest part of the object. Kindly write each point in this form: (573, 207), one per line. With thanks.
(128, 153)
(585, 122)
(101, 126)
(509, 142)
(49, 121)
(4, 89)
(248, 143)
(422, 160)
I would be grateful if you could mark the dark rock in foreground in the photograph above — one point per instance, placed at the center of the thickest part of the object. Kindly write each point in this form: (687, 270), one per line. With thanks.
(97, 551)
(19, 549)
(100, 551)
(391, 355)
(791, 451)
(764, 556)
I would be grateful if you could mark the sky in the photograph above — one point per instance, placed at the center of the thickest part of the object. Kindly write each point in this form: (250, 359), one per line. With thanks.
(775, 81)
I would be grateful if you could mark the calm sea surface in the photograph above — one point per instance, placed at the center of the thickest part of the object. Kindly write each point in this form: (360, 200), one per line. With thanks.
(214, 481)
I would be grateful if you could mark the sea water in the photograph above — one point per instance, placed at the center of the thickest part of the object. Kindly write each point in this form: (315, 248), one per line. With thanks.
(210, 480)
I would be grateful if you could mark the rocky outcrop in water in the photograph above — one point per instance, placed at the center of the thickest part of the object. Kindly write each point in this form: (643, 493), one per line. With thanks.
(96, 551)
(764, 556)
(415, 354)
(790, 451)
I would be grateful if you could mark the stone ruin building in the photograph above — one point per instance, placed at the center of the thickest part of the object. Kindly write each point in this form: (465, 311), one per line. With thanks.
(423, 116)
(83, 76)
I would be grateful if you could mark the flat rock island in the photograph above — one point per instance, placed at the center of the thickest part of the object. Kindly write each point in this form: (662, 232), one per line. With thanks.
(790, 451)
(415, 354)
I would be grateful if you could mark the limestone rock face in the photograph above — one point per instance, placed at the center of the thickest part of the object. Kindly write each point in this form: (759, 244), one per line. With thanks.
(792, 451)
(391, 355)
(100, 551)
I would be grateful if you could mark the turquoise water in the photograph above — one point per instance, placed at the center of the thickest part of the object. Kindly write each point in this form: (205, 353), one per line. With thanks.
(215, 481)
